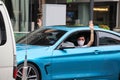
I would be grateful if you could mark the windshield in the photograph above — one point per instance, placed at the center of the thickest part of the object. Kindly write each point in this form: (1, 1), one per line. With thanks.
(45, 37)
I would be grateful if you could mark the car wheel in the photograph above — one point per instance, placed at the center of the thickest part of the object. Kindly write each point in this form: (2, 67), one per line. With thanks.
(32, 72)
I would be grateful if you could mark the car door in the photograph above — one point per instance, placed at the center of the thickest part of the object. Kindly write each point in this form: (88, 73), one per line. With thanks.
(81, 63)
(109, 48)
(72, 63)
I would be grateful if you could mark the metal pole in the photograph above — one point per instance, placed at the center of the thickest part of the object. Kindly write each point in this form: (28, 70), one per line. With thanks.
(25, 67)
(91, 10)
(39, 4)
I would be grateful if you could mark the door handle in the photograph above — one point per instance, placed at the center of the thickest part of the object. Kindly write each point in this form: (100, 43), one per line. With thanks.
(96, 51)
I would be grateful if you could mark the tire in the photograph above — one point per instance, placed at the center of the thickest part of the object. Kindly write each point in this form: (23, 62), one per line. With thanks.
(32, 72)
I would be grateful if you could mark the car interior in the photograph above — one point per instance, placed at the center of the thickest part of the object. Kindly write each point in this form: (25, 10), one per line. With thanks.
(73, 37)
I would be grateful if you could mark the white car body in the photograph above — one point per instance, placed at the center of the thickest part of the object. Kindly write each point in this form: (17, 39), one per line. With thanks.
(7, 46)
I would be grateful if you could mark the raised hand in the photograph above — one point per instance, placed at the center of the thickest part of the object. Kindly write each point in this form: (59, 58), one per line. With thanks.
(91, 25)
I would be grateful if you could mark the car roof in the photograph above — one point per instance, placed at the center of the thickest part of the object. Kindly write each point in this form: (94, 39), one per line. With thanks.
(68, 28)
(75, 28)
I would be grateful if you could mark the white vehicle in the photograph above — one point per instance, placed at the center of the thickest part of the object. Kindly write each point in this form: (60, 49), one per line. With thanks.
(7, 46)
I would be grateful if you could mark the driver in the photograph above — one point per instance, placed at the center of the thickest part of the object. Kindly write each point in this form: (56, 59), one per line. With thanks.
(81, 39)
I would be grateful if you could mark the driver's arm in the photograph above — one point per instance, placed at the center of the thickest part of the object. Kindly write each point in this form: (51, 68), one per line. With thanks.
(91, 34)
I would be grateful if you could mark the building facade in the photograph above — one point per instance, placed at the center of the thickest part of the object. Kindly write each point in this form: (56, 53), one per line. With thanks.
(24, 13)
(106, 12)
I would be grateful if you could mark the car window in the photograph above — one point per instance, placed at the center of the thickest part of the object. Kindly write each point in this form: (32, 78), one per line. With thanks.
(45, 37)
(108, 39)
(2, 30)
(71, 40)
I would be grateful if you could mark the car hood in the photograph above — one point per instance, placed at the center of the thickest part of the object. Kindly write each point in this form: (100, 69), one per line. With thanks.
(20, 47)
(33, 52)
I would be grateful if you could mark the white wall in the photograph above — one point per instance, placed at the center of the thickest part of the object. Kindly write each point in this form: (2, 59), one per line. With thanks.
(54, 14)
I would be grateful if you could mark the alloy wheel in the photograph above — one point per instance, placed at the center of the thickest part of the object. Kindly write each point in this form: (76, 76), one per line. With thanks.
(32, 72)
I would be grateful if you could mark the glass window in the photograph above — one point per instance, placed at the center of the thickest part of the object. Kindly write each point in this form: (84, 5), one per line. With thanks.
(43, 37)
(108, 39)
(2, 30)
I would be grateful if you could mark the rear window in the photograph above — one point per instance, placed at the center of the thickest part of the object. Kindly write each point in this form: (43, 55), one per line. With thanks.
(108, 39)
(2, 30)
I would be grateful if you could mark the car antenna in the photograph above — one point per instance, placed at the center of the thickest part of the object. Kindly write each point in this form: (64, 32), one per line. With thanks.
(25, 67)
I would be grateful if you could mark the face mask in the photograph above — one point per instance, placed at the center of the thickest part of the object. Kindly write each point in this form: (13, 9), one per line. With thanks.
(81, 43)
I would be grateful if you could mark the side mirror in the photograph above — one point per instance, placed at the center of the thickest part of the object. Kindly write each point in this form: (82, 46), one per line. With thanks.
(66, 45)
(62, 48)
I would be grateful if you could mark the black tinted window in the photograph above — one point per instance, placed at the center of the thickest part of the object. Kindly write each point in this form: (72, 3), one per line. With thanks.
(108, 39)
(2, 30)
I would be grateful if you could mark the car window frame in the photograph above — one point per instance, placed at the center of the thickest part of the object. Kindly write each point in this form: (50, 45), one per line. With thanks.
(87, 30)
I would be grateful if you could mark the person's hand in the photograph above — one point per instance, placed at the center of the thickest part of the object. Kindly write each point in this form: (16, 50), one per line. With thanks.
(91, 25)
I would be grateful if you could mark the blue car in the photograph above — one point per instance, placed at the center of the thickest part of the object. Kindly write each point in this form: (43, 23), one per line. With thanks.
(48, 59)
